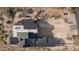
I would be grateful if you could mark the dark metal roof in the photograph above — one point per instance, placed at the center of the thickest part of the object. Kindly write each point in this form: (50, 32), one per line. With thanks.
(14, 40)
(27, 23)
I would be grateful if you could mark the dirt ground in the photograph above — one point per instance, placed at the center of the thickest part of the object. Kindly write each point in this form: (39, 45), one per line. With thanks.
(55, 17)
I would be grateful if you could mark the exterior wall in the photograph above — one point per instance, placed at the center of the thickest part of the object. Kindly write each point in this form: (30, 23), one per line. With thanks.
(29, 30)
(15, 30)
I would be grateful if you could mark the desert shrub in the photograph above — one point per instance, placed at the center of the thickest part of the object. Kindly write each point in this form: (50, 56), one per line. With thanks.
(65, 13)
(30, 11)
(6, 35)
(58, 16)
(72, 10)
(9, 22)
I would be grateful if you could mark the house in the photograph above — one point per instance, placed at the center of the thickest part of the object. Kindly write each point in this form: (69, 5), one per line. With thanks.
(24, 33)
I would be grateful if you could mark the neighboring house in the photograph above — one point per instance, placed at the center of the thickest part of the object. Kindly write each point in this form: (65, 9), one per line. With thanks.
(24, 33)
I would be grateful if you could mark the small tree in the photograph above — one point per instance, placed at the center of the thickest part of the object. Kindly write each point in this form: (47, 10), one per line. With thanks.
(11, 13)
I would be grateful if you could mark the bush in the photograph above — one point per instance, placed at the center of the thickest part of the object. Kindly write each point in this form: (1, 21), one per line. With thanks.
(9, 22)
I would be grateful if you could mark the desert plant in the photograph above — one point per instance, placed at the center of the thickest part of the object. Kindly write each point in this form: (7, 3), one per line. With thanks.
(11, 13)
(72, 10)
(9, 22)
